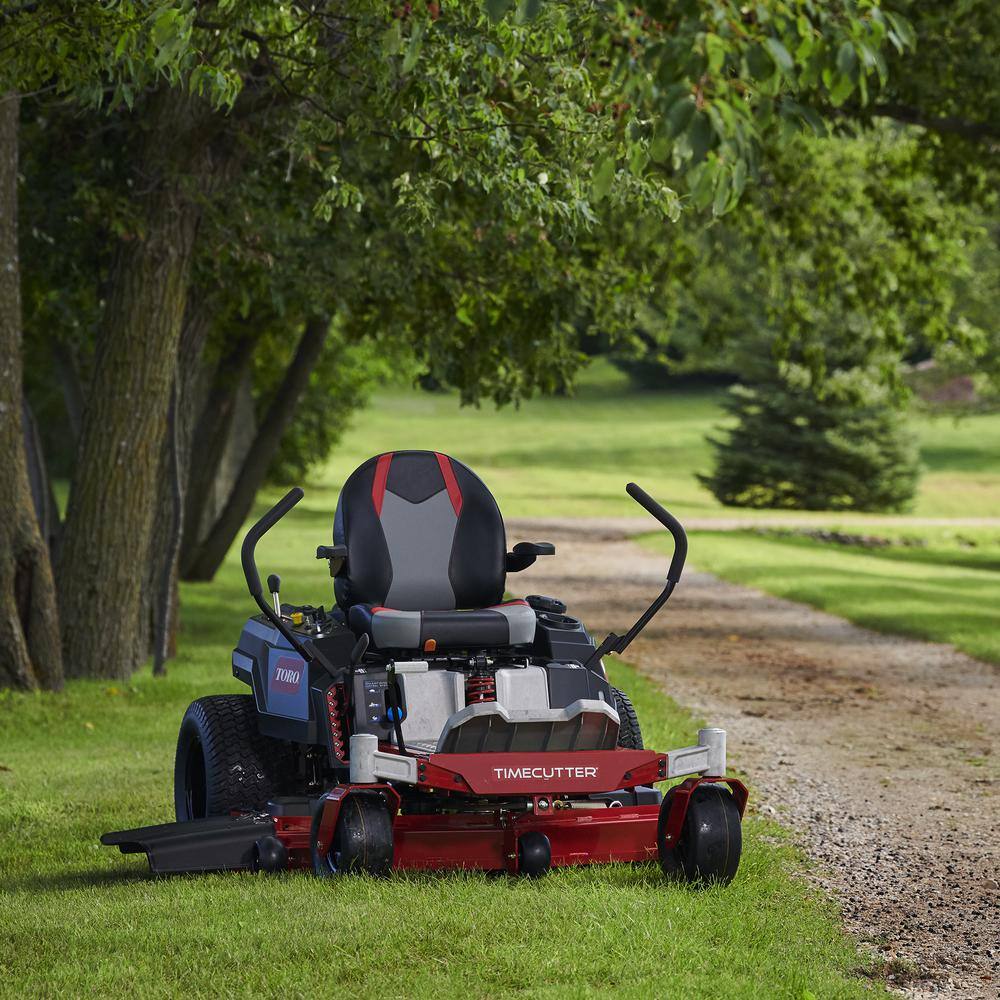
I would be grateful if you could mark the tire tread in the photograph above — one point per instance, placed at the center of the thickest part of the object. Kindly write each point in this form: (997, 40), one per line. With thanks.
(629, 733)
(244, 769)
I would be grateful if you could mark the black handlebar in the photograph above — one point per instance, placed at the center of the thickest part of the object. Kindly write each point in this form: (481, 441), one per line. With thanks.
(618, 643)
(669, 522)
(261, 528)
(306, 649)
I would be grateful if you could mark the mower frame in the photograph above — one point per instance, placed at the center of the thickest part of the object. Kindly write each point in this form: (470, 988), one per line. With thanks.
(581, 806)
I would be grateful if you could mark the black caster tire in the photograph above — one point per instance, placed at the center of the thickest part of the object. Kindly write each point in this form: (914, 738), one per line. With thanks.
(223, 764)
(629, 733)
(362, 839)
(534, 854)
(711, 839)
(270, 855)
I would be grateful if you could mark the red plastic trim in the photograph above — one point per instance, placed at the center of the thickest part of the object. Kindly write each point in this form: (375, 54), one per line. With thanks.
(682, 799)
(541, 773)
(381, 475)
(450, 482)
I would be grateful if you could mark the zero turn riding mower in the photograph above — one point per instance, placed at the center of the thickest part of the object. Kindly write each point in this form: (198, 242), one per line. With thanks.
(428, 723)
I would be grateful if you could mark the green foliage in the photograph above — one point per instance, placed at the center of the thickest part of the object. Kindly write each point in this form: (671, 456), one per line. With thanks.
(977, 310)
(848, 243)
(857, 250)
(456, 180)
(947, 86)
(719, 80)
(847, 449)
(106, 53)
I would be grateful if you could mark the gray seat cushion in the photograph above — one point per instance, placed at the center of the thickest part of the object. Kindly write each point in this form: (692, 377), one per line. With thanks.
(509, 624)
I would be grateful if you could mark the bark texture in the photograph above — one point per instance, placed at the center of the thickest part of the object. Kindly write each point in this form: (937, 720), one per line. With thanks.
(42, 496)
(105, 553)
(166, 553)
(213, 433)
(212, 550)
(160, 609)
(30, 653)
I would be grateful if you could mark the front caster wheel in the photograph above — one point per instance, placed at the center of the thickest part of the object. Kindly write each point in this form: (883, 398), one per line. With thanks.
(270, 855)
(362, 839)
(711, 839)
(534, 854)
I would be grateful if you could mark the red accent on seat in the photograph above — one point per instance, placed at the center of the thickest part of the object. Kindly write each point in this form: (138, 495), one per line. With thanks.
(381, 475)
(507, 604)
(450, 482)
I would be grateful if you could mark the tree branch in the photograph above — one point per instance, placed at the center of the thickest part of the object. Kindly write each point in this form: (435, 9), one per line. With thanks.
(945, 124)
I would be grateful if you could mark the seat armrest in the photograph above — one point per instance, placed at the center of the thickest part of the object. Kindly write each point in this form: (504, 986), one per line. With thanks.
(336, 554)
(525, 553)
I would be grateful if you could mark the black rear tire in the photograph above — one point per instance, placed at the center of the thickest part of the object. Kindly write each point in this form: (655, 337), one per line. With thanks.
(362, 840)
(223, 764)
(711, 839)
(629, 733)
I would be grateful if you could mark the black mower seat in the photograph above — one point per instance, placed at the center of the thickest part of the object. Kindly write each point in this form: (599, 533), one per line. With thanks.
(507, 624)
(424, 537)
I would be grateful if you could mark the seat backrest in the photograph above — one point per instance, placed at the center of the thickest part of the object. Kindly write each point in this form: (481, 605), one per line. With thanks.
(423, 533)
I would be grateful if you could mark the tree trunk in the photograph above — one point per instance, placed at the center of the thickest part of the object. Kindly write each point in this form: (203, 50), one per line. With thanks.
(217, 542)
(160, 606)
(42, 496)
(30, 654)
(213, 434)
(106, 544)
(163, 617)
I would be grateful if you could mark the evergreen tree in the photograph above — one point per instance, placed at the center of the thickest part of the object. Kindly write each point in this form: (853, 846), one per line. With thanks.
(842, 447)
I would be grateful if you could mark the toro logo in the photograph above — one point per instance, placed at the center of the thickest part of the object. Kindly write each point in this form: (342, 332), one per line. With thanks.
(287, 675)
(545, 773)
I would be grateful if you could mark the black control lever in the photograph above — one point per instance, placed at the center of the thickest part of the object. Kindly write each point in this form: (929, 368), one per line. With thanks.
(274, 589)
(618, 643)
(307, 650)
(336, 554)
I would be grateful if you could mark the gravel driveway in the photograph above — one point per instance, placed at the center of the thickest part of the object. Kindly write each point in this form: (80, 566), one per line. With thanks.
(879, 751)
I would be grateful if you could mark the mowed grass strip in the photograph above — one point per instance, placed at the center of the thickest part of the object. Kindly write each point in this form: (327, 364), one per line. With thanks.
(78, 919)
(570, 456)
(945, 590)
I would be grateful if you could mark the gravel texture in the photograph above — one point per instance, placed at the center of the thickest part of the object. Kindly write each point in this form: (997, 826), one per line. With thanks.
(878, 751)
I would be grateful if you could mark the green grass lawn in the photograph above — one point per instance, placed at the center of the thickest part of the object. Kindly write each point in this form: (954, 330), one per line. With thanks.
(79, 919)
(947, 590)
(571, 456)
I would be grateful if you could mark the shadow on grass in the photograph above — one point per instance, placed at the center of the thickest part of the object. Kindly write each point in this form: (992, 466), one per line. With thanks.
(74, 881)
(639, 875)
(955, 458)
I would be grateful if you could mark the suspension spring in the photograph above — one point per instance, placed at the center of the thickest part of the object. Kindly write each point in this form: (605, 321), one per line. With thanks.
(333, 707)
(480, 687)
